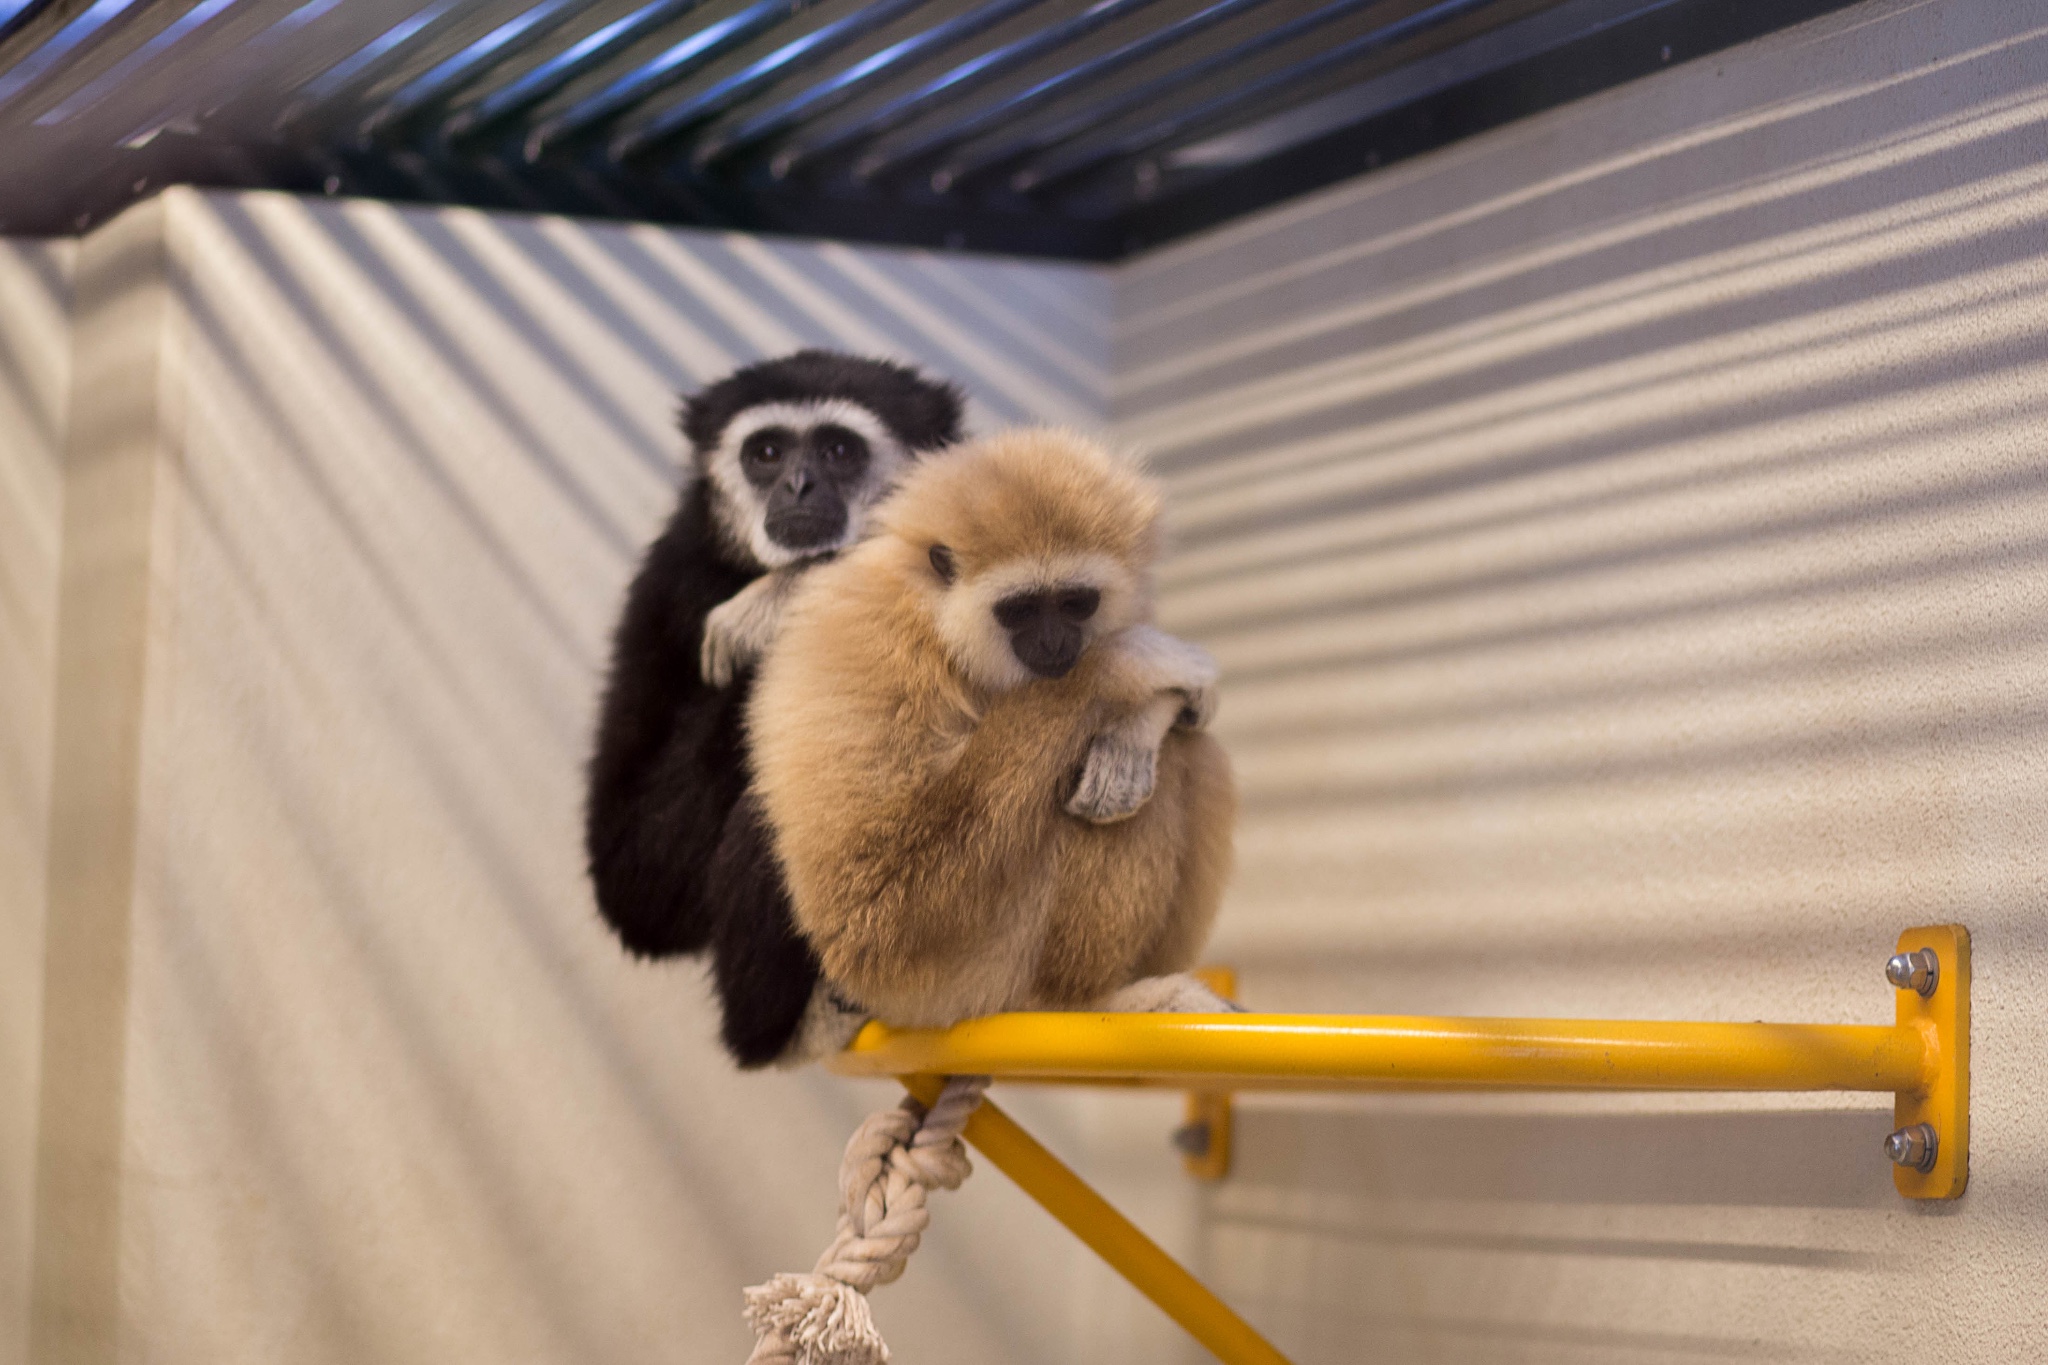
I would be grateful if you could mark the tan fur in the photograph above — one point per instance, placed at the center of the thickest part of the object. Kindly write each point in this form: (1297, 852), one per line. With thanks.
(915, 781)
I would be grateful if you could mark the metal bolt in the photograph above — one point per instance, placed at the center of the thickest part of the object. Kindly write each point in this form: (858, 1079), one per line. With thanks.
(1913, 1147)
(1919, 971)
(1192, 1139)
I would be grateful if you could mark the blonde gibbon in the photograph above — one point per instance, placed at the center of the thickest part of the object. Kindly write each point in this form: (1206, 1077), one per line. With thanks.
(983, 768)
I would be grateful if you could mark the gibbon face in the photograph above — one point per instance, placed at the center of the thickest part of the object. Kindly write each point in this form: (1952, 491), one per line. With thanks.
(797, 479)
(809, 478)
(798, 450)
(1030, 560)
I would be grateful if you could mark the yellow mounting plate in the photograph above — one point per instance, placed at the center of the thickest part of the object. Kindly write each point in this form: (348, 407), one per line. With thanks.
(1210, 1111)
(1944, 1102)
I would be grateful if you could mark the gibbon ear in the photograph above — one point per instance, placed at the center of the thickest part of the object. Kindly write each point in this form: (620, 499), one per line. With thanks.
(942, 564)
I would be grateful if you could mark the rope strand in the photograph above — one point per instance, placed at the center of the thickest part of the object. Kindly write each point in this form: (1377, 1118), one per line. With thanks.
(893, 1161)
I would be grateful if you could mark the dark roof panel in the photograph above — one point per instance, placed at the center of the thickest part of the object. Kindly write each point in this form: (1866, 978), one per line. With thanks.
(1076, 128)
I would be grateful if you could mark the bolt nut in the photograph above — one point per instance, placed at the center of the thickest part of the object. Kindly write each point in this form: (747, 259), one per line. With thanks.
(1913, 1147)
(1917, 971)
(1192, 1139)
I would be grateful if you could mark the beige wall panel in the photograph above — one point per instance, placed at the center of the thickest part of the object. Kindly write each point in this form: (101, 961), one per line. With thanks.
(1623, 536)
(113, 572)
(392, 1093)
(35, 363)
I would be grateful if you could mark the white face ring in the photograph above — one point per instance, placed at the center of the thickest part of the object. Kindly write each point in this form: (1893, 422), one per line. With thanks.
(739, 507)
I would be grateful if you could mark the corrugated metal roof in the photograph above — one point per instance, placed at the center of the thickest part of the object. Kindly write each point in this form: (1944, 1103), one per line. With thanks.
(1078, 128)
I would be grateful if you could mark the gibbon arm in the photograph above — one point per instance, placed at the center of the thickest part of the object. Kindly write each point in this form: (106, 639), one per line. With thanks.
(1160, 683)
(738, 631)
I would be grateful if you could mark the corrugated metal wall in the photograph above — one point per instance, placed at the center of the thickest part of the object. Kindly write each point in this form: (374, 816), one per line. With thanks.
(35, 354)
(1622, 535)
(339, 1063)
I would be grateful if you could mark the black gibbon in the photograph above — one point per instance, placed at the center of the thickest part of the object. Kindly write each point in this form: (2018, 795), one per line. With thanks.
(983, 768)
(788, 456)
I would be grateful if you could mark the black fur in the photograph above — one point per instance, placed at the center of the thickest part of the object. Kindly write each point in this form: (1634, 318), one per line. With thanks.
(763, 968)
(679, 864)
(670, 762)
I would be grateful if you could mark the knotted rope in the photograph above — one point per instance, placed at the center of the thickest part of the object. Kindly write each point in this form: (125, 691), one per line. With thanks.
(895, 1159)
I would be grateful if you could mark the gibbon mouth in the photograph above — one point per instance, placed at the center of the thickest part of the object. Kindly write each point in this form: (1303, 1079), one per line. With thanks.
(804, 530)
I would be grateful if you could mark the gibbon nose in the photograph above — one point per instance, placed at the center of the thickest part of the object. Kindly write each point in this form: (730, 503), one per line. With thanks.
(1045, 638)
(1049, 648)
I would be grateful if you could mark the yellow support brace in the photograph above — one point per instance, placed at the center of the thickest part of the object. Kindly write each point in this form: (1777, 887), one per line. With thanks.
(1108, 1233)
(1922, 1058)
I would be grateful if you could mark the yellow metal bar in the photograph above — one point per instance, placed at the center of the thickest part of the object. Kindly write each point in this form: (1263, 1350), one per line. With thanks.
(1090, 1217)
(1283, 1051)
(1922, 1058)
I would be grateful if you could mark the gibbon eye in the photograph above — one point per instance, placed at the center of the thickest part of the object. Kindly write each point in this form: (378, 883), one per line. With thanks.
(1080, 603)
(763, 451)
(842, 451)
(942, 563)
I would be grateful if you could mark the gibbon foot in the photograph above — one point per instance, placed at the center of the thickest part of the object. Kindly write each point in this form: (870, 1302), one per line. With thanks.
(829, 1024)
(1177, 993)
